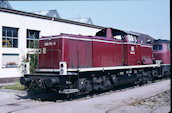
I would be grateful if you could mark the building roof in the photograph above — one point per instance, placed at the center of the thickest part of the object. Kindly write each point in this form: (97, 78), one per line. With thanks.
(87, 20)
(5, 4)
(141, 36)
(50, 13)
(12, 11)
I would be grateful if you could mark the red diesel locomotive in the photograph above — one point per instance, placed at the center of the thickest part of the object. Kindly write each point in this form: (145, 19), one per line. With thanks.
(83, 64)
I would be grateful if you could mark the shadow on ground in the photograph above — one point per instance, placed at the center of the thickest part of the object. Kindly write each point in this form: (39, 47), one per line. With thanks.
(50, 95)
(42, 95)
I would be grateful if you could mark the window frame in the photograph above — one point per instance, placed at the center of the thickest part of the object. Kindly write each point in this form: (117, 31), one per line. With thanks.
(33, 39)
(132, 38)
(11, 41)
(160, 47)
(10, 64)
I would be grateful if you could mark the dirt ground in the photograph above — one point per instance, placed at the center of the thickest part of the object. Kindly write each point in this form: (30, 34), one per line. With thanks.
(124, 101)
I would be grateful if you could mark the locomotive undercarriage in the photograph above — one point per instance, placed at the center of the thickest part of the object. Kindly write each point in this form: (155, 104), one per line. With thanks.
(91, 82)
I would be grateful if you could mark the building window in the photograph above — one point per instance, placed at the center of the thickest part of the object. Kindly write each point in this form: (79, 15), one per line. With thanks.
(9, 37)
(10, 60)
(32, 39)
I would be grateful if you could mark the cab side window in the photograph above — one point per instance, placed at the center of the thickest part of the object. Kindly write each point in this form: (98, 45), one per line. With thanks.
(101, 33)
(157, 47)
(132, 39)
(119, 37)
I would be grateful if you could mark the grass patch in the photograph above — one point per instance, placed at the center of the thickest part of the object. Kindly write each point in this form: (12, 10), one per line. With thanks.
(15, 86)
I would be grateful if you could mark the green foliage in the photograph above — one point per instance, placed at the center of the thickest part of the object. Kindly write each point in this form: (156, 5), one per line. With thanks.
(33, 62)
(15, 86)
(31, 44)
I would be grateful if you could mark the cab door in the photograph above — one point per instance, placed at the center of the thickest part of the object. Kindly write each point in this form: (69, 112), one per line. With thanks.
(131, 50)
(138, 54)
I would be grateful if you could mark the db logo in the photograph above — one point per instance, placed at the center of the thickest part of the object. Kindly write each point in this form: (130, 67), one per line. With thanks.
(132, 48)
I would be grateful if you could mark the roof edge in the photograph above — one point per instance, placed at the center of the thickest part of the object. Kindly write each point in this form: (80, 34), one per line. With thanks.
(12, 11)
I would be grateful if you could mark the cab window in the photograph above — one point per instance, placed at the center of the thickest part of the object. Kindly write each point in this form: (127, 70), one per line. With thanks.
(132, 39)
(101, 33)
(157, 47)
(119, 37)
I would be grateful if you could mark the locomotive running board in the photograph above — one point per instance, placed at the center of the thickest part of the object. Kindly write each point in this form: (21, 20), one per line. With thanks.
(100, 68)
(115, 68)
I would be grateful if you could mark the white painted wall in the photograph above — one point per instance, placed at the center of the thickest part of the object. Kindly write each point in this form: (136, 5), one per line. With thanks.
(46, 28)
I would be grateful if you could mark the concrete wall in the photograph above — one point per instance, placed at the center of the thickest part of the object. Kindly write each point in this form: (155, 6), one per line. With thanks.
(46, 28)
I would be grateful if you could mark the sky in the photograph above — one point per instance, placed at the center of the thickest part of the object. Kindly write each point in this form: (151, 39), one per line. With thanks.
(151, 17)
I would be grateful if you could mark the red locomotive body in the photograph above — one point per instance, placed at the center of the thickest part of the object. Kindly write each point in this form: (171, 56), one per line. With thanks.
(75, 63)
(146, 53)
(121, 48)
(107, 51)
(50, 57)
(80, 51)
(132, 54)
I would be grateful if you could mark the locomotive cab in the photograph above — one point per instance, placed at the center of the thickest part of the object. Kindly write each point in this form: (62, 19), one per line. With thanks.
(132, 48)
